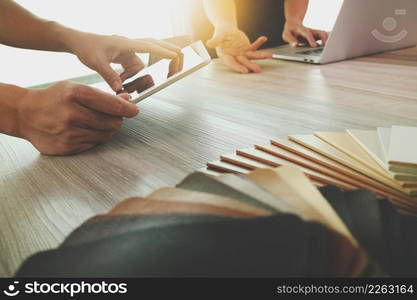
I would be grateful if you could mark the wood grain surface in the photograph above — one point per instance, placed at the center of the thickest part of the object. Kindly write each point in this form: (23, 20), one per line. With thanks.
(213, 112)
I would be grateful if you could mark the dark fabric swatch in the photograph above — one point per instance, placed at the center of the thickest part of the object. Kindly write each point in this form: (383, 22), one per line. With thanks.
(117, 225)
(387, 236)
(397, 260)
(360, 211)
(409, 242)
(235, 248)
(336, 198)
(368, 227)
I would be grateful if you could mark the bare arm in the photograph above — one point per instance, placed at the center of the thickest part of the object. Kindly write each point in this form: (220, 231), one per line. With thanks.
(9, 99)
(295, 32)
(232, 45)
(20, 28)
(295, 10)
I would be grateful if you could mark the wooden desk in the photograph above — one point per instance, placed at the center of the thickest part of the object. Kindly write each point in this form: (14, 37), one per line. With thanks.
(214, 112)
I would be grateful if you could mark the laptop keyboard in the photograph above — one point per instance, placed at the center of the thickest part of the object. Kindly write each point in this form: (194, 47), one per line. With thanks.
(312, 52)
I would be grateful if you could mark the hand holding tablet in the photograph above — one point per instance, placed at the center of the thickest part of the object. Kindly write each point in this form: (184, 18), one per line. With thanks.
(165, 72)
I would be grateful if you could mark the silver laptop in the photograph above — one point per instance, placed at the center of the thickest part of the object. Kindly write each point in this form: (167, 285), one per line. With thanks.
(363, 27)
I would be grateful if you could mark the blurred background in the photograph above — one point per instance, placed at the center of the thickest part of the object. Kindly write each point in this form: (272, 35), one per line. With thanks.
(132, 18)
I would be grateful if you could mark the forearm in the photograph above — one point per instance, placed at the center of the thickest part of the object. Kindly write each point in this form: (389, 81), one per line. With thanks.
(20, 28)
(295, 10)
(10, 96)
(221, 12)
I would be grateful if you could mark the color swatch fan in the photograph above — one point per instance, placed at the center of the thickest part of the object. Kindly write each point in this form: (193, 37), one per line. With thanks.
(383, 161)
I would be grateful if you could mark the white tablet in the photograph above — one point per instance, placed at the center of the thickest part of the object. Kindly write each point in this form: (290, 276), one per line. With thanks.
(165, 72)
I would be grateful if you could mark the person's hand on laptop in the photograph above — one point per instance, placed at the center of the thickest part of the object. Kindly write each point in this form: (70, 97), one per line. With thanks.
(69, 118)
(236, 51)
(99, 51)
(296, 34)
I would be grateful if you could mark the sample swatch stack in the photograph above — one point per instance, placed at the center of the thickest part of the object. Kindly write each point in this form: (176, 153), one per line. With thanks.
(399, 151)
(308, 206)
(383, 161)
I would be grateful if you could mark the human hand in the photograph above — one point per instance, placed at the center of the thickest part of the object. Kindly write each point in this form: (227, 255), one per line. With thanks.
(69, 118)
(235, 50)
(99, 51)
(296, 34)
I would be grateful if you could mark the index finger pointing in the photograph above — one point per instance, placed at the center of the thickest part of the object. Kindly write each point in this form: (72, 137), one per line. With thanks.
(100, 101)
(258, 43)
(149, 46)
(167, 45)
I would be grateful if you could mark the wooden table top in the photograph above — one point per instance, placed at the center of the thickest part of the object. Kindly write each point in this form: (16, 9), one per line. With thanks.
(179, 130)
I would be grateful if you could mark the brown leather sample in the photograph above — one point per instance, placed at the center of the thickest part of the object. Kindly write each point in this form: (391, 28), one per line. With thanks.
(185, 196)
(141, 206)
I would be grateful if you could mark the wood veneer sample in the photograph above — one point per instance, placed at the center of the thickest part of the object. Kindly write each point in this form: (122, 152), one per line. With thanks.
(270, 153)
(410, 184)
(289, 182)
(402, 169)
(224, 167)
(412, 191)
(384, 135)
(400, 173)
(402, 149)
(187, 196)
(370, 142)
(304, 156)
(406, 179)
(320, 146)
(148, 206)
(253, 164)
(244, 162)
(343, 142)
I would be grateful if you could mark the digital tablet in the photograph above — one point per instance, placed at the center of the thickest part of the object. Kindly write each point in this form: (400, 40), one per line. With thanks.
(165, 72)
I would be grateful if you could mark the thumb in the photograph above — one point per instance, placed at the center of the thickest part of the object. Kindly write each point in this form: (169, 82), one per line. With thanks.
(215, 41)
(110, 76)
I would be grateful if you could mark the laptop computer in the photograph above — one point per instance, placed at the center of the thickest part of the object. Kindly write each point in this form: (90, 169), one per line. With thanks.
(363, 27)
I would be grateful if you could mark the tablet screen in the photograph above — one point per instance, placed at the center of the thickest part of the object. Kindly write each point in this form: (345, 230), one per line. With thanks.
(165, 72)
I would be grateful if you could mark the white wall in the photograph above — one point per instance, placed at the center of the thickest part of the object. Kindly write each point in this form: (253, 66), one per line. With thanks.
(133, 18)
(322, 14)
